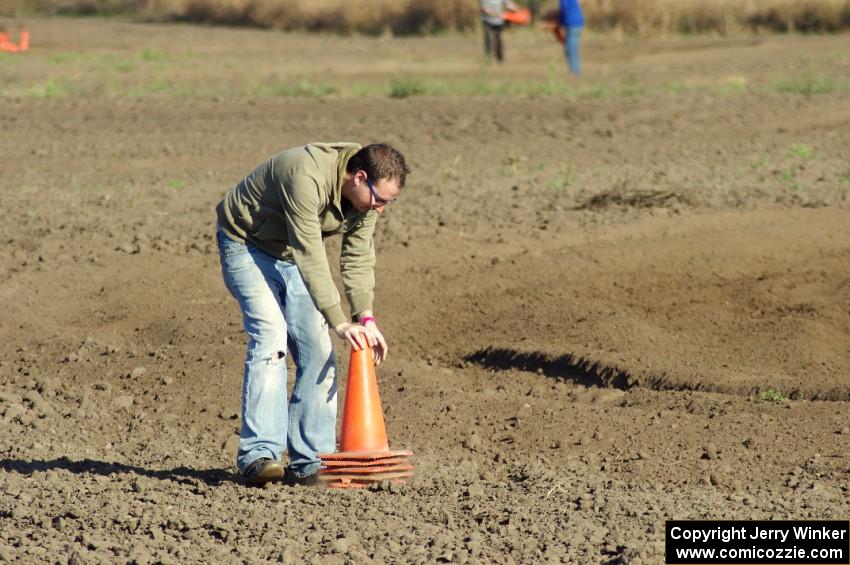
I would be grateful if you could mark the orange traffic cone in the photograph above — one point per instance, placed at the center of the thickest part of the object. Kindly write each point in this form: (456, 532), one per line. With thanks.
(364, 456)
(520, 16)
(363, 429)
(6, 43)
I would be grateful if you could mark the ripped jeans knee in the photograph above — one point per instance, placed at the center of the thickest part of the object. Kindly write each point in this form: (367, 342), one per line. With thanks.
(265, 356)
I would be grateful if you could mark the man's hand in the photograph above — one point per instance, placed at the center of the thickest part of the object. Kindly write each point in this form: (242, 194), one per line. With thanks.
(354, 334)
(358, 336)
(376, 340)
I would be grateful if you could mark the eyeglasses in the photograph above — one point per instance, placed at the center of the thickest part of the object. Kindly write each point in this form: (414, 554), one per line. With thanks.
(377, 200)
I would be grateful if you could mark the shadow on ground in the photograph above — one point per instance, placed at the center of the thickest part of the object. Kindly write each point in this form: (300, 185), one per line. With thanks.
(566, 367)
(185, 475)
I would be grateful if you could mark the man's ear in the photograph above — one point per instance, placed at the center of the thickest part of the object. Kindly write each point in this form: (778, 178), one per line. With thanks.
(360, 176)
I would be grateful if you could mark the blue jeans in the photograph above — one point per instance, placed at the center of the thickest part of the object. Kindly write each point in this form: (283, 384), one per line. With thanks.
(571, 49)
(279, 316)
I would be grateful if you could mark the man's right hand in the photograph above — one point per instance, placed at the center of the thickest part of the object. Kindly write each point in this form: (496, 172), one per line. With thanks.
(359, 336)
(354, 334)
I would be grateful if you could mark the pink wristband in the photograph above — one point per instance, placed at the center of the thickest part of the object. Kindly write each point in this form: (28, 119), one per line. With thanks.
(365, 319)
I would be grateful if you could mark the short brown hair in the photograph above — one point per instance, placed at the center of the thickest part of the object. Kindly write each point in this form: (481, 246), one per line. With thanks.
(380, 161)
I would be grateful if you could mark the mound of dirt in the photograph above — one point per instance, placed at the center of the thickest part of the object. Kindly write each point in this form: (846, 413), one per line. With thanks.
(618, 197)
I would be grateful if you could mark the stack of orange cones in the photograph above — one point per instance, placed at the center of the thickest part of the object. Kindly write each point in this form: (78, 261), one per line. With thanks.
(520, 16)
(364, 456)
(6, 43)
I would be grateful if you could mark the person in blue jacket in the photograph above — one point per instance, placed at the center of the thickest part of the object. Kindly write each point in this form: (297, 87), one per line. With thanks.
(572, 20)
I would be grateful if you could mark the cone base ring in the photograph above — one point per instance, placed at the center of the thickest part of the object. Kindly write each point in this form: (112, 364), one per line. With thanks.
(366, 479)
(335, 463)
(331, 471)
(364, 455)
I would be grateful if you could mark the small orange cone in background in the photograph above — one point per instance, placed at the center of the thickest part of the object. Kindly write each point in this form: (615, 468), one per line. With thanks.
(520, 16)
(6, 43)
(364, 455)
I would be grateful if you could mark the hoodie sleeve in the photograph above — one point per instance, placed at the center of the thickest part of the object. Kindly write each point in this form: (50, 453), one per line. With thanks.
(357, 264)
(301, 204)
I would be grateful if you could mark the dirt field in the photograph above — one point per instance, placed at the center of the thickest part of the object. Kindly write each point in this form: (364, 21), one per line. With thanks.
(610, 301)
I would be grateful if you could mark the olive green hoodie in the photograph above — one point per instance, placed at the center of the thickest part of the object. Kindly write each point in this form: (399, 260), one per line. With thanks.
(289, 204)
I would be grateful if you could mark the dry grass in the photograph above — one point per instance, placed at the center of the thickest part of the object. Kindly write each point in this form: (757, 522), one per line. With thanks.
(726, 17)
(647, 18)
(362, 16)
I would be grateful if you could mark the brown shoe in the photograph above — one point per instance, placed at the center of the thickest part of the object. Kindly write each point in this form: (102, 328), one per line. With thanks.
(262, 471)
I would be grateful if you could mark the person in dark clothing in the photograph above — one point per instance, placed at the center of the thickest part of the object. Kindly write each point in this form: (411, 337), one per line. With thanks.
(494, 22)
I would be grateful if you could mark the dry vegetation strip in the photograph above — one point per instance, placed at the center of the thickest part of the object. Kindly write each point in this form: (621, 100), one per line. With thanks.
(650, 17)
(640, 17)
